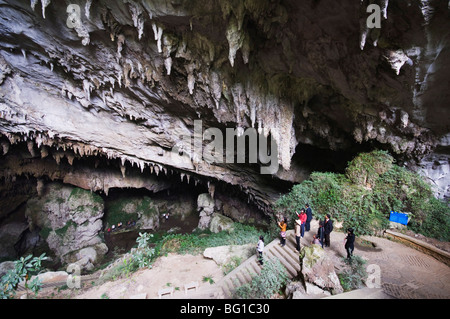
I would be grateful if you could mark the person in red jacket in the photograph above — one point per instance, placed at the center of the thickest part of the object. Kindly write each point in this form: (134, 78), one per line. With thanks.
(302, 216)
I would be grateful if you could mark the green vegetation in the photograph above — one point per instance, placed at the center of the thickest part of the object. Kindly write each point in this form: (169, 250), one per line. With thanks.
(23, 269)
(197, 241)
(272, 278)
(232, 264)
(354, 274)
(152, 246)
(363, 197)
(125, 209)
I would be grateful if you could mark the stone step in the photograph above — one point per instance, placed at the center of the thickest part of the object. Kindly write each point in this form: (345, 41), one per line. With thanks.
(244, 273)
(275, 253)
(290, 259)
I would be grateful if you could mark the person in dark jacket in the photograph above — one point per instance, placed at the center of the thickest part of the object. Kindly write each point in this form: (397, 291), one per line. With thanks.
(350, 243)
(308, 217)
(328, 228)
(321, 233)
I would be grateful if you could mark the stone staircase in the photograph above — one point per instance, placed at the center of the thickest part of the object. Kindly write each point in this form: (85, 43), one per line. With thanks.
(243, 274)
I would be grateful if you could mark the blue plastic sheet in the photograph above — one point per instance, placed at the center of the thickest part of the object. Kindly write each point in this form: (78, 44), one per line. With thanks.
(400, 218)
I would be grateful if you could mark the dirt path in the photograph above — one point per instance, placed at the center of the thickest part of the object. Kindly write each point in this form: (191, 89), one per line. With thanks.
(172, 270)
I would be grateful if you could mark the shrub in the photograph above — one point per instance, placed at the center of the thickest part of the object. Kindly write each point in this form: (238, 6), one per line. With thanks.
(363, 197)
(354, 274)
(272, 278)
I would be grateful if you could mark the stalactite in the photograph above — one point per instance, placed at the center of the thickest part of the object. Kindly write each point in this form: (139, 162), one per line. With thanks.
(30, 146)
(5, 147)
(122, 170)
(33, 4)
(138, 20)
(44, 3)
(158, 32)
(384, 8)
(235, 38)
(168, 64)
(120, 43)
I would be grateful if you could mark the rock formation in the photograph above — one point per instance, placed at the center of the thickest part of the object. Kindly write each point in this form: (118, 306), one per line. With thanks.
(105, 94)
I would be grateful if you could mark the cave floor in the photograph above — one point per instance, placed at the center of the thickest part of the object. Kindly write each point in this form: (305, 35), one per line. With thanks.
(406, 273)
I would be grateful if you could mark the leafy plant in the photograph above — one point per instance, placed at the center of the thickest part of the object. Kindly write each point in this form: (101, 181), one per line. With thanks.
(272, 278)
(143, 256)
(234, 262)
(23, 269)
(208, 279)
(354, 274)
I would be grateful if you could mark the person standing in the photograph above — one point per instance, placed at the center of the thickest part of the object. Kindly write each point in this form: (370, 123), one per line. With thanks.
(321, 233)
(297, 233)
(283, 226)
(260, 249)
(308, 217)
(302, 218)
(328, 228)
(350, 243)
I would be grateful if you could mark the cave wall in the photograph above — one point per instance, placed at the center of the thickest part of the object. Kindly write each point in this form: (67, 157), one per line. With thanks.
(125, 80)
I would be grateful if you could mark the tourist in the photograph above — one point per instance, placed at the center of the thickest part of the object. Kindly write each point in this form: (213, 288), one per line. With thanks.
(260, 249)
(297, 233)
(328, 228)
(316, 240)
(321, 233)
(302, 218)
(349, 243)
(283, 226)
(308, 217)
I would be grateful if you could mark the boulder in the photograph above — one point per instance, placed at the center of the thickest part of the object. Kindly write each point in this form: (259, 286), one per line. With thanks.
(318, 269)
(52, 276)
(222, 255)
(5, 267)
(220, 222)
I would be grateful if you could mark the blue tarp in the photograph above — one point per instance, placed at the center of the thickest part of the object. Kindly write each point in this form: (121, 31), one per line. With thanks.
(400, 218)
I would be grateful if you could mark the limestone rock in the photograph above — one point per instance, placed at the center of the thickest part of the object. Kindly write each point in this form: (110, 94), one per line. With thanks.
(9, 236)
(5, 267)
(52, 276)
(69, 218)
(222, 255)
(205, 207)
(219, 223)
(318, 269)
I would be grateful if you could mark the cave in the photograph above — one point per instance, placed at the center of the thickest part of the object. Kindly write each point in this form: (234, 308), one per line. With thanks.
(97, 102)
